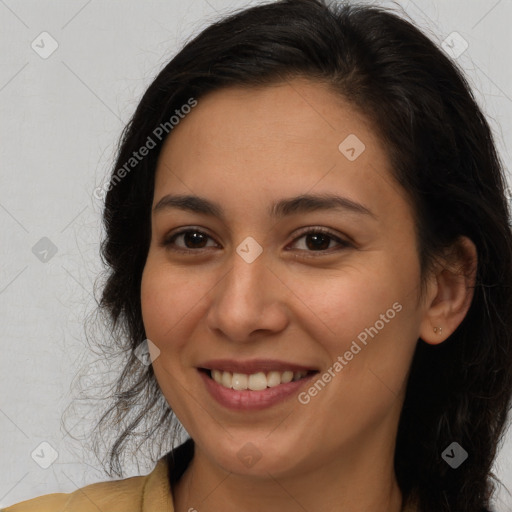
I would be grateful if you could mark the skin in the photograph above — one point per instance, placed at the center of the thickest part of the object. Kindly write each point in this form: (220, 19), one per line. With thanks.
(244, 149)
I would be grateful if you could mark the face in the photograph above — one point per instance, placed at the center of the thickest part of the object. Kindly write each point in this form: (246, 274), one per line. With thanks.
(248, 283)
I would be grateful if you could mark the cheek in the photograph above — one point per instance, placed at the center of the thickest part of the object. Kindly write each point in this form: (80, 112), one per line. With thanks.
(341, 303)
(164, 300)
(372, 305)
(172, 300)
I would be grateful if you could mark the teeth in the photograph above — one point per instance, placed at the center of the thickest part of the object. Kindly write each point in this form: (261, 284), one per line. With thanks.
(273, 379)
(239, 381)
(256, 381)
(287, 377)
(226, 379)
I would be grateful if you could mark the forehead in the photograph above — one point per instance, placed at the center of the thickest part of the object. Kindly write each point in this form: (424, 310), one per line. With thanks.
(301, 111)
(291, 137)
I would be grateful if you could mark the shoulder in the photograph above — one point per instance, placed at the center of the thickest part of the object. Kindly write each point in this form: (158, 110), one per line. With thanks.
(125, 495)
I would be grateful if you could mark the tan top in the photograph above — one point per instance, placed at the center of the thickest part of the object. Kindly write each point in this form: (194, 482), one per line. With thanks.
(148, 493)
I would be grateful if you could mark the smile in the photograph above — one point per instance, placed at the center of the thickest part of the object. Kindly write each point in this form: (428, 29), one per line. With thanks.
(255, 381)
(253, 385)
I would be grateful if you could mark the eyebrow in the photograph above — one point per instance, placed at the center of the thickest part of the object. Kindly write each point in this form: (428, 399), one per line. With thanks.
(304, 203)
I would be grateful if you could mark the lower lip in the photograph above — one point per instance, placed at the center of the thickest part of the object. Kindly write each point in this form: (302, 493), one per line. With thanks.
(252, 400)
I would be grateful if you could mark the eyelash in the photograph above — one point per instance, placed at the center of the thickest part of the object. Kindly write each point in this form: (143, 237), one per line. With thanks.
(168, 241)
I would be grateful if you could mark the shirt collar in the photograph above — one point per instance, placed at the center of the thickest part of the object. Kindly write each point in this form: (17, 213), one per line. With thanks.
(157, 494)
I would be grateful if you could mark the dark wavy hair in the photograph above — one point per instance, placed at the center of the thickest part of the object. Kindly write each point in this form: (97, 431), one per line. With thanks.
(442, 154)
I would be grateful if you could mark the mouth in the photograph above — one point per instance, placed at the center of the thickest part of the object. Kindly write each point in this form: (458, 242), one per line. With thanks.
(257, 381)
(253, 385)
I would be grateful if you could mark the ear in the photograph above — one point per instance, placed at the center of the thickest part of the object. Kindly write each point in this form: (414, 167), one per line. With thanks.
(451, 292)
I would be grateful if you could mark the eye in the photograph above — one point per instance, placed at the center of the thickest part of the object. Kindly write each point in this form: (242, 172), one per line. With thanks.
(191, 238)
(319, 240)
(315, 240)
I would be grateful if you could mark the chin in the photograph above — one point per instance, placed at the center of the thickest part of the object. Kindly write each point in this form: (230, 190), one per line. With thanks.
(251, 455)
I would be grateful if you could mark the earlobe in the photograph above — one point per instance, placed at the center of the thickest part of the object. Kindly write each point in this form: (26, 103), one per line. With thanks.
(452, 293)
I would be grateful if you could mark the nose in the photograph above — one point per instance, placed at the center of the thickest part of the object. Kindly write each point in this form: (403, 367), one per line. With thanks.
(248, 302)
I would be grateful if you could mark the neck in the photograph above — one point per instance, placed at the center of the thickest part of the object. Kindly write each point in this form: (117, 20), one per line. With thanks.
(357, 484)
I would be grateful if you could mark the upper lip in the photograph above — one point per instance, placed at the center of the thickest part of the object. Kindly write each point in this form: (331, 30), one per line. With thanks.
(253, 366)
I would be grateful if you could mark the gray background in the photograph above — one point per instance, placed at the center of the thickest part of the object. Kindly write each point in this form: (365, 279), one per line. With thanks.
(60, 119)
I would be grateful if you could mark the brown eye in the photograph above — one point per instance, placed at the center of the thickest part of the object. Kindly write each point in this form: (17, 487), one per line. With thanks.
(194, 239)
(320, 240)
(189, 239)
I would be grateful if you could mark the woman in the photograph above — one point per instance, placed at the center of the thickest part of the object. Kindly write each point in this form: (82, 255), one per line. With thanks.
(307, 227)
